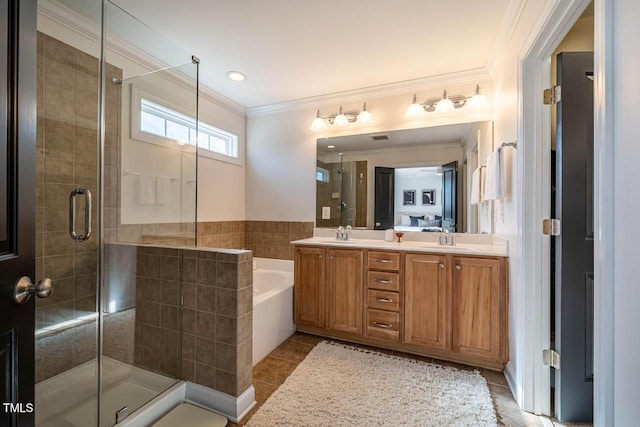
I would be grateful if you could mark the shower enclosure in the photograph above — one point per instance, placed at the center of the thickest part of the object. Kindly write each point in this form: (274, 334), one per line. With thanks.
(117, 137)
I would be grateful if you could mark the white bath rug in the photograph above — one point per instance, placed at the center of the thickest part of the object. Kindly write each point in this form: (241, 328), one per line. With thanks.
(340, 385)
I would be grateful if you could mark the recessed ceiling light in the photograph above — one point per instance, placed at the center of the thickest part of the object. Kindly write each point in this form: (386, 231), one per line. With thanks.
(236, 76)
(331, 146)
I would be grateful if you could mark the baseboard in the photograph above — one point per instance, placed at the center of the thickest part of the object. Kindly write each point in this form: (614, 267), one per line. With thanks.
(511, 381)
(234, 408)
(157, 407)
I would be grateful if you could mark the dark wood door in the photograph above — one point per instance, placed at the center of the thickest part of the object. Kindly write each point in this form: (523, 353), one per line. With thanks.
(384, 211)
(17, 206)
(449, 195)
(574, 247)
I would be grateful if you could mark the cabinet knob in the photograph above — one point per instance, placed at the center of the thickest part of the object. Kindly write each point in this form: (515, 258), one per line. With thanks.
(458, 267)
(320, 256)
(441, 265)
(332, 257)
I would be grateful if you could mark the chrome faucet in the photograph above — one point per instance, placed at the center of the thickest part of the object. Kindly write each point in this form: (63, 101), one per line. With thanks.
(445, 239)
(342, 233)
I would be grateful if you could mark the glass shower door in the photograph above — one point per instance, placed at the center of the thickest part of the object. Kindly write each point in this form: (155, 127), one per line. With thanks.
(109, 337)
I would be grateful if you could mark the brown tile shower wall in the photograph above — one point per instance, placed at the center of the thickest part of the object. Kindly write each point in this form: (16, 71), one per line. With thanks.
(67, 139)
(193, 313)
(267, 239)
(271, 239)
(222, 234)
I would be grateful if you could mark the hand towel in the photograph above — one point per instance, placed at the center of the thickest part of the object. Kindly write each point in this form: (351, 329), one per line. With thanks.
(494, 177)
(146, 191)
(475, 187)
(163, 190)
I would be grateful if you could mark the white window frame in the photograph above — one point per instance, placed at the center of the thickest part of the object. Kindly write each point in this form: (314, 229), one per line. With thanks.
(325, 174)
(137, 94)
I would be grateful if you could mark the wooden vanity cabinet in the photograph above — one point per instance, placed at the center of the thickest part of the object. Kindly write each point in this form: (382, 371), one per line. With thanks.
(309, 293)
(479, 308)
(447, 306)
(344, 290)
(426, 301)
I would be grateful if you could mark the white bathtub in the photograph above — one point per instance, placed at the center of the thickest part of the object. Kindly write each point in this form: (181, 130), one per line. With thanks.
(272, 305)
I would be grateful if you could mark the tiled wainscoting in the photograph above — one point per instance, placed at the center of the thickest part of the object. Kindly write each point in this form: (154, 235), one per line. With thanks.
(193, 311)
(267, 239)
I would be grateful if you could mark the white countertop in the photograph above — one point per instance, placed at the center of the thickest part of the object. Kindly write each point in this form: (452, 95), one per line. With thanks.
(409, 245)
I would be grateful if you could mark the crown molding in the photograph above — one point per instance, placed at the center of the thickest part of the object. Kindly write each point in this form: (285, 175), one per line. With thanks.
(80, 25)
(476, 75)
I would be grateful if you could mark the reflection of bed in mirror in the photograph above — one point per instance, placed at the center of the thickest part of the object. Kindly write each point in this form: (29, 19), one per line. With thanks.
(371, 180)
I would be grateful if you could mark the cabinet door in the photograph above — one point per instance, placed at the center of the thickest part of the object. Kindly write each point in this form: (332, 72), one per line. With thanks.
(425, 301)
(344, 290)
(309, 287)
(477, 307)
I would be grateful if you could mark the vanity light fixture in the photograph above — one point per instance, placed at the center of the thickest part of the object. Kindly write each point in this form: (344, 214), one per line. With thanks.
(365, 116)
(318, 123)
(446, 104)
(342, 118)
(415, 110)
(478, 100)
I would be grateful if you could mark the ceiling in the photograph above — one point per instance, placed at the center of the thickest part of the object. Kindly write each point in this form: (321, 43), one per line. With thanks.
(423, 137)
(295, 49)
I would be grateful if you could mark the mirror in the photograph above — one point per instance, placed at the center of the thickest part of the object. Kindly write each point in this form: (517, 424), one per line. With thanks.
(411, 180)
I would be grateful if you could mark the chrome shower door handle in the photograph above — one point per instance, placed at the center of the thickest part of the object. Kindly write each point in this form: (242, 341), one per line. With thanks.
(87, 214)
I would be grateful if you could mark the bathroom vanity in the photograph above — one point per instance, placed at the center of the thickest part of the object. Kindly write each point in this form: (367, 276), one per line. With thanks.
(446, 302)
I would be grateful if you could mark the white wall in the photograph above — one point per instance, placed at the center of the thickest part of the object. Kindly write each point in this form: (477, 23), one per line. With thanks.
(506, 125)
(281, 154)
(626, 111)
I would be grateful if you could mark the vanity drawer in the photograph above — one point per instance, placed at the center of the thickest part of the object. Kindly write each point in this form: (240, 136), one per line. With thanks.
(383, 300)
(383, 260)
(383, 324)
(383, 281)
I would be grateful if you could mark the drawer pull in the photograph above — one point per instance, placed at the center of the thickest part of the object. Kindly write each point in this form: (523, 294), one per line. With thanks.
(458, 267)
(384, 281)
(382, 325)
(383, 299)
(384, 261)
(441, 265)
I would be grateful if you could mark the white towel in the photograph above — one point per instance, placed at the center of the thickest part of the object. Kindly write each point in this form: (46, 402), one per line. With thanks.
(146, 191)
(163, 190)
(494, 176)
(475, 186)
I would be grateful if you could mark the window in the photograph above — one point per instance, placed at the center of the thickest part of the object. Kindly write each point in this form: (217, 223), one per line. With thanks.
(158, 123)
(322, 175)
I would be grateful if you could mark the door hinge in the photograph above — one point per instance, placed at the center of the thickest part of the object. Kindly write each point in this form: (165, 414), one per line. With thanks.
(551, 358)
(552, 96)
(551, 227)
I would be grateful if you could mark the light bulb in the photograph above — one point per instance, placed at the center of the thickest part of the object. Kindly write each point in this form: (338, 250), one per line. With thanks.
(414, 110)
(444, 105)
(318, 123)
(341, 119)
(478, 100)
(364, 117)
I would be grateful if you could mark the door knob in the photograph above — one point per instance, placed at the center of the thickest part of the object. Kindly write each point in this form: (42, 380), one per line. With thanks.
(25, 288)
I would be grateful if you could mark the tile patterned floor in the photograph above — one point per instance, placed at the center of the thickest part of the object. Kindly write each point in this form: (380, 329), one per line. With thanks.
(273, 370)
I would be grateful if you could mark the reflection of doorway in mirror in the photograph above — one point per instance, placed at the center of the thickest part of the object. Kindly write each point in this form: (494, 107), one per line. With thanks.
(409, 197)
(428, 197)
